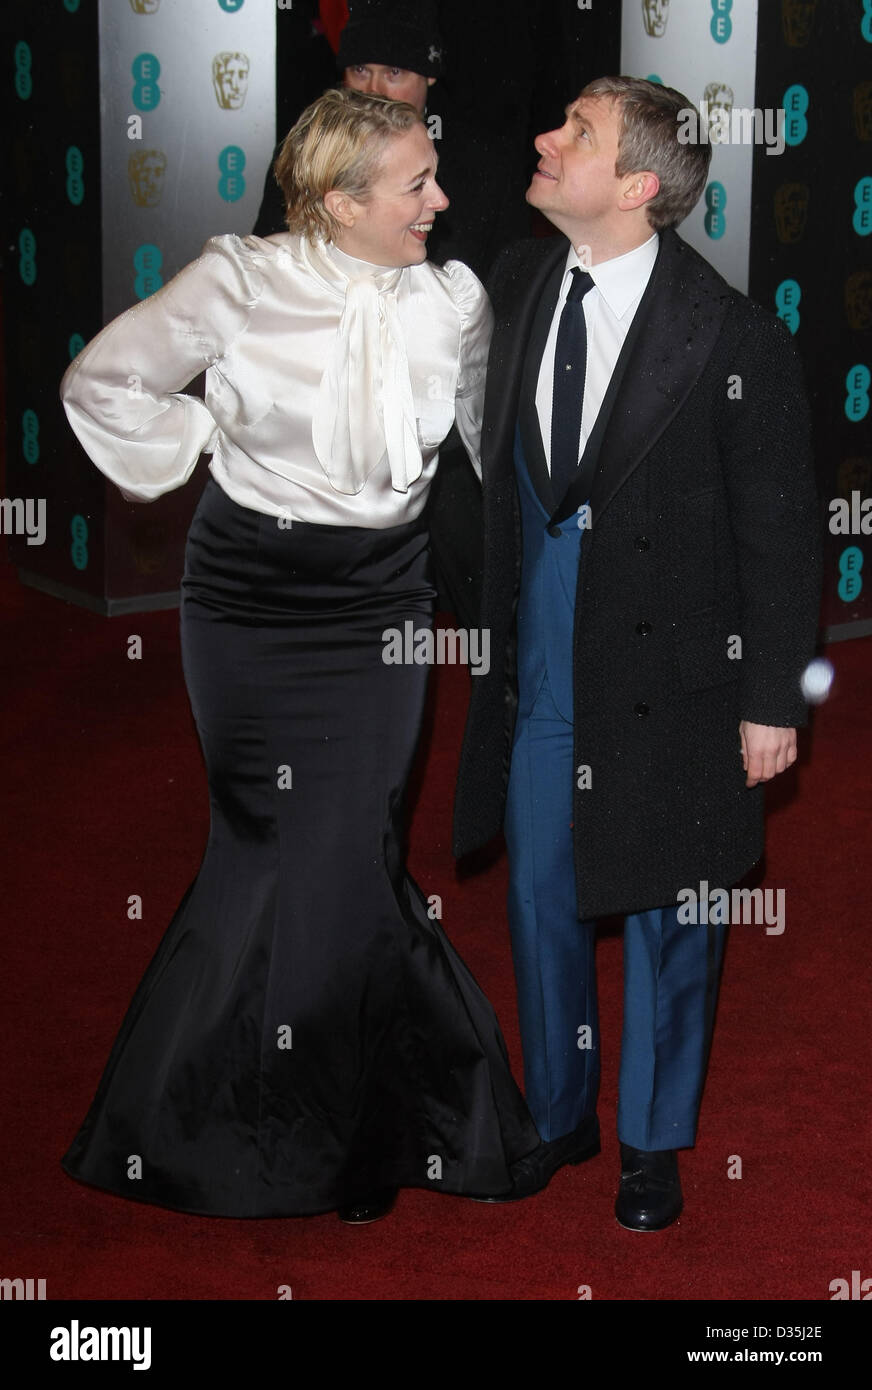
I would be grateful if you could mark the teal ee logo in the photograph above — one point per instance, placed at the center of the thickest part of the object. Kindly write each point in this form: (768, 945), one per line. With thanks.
(795, 103)
(23, 80)
(231, 6)
(147, 261)
(71, 5)
(146, 70)
(30, 436)
(862, 219)
(857, 400)
(721, 25)
(231, 162)
(79, 547)
(787, 298)
(866, 21)
(27, 256)
(851, 581)
(75, 345)
(656, 78)
(74, 166)
(714, 221)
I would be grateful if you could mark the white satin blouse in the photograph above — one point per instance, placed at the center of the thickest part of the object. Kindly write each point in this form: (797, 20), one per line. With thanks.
(330, 382)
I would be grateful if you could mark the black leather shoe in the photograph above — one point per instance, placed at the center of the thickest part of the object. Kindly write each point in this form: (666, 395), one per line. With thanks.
(364, 1210)
(534, 1172)
(649, 1197)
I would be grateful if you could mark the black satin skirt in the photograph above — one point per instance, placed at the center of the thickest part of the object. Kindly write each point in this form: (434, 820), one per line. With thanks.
(305, 1034)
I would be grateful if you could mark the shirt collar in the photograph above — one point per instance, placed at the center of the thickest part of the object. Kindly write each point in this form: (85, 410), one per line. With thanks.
(622, 279)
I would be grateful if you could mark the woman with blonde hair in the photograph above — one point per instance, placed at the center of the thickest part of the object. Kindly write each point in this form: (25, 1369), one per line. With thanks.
(305, 1039)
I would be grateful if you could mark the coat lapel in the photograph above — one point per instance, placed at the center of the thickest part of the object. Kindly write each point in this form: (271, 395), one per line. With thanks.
(528, 415)
(671, 338)
(515, 313)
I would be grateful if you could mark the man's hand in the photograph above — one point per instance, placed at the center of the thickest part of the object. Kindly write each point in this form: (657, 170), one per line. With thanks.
(766, 750)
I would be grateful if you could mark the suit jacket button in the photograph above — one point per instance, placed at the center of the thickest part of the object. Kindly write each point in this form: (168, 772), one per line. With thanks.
(642, 543)
(643, 629)
(641, 709)
(555, 531)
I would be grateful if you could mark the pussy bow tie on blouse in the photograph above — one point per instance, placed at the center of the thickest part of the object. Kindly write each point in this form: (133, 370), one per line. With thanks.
(364, 407)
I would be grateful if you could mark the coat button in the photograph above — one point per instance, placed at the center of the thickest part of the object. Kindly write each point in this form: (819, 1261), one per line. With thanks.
(643, 629)
(641, 709)
(555, 531)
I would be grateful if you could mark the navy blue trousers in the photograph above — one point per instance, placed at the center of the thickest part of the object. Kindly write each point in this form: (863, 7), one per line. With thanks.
(670, 970)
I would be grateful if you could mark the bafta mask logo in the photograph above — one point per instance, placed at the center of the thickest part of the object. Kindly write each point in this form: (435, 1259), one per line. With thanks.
(146, 170)
(858, 300)
(862, 104)
(791, 210)
(148, 544)
(230, 79)
(718, 99)
(655, 14)
(145, 6)
(797, 21)
(854, 475)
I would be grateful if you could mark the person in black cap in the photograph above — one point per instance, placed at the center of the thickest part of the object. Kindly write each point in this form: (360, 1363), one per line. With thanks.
(394, 48)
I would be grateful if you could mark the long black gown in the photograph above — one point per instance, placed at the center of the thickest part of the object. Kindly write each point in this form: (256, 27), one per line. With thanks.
(305, 1033)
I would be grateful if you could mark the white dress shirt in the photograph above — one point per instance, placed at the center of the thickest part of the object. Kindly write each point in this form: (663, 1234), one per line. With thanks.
(609, 308)
(301, 419)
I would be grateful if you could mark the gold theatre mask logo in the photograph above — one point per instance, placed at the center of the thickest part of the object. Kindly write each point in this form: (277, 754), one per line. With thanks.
(797, 21)
(655, 14)
(146, 170)
(718, 103)
(854, 475)
(791, 210)
(862, 105)
(145, 6)
(230, 79)
(858, 300)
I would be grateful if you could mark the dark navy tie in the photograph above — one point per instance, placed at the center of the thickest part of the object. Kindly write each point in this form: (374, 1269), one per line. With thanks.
(570, 366)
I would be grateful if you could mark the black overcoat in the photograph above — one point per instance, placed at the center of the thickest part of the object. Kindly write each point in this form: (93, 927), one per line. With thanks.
(704, 529)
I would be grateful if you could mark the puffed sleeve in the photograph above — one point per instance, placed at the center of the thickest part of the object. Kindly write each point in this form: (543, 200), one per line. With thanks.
(477, 322)
(122, 393)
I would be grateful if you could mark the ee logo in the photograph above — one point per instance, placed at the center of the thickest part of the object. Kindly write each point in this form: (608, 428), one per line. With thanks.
(27, 256)
(231, 162)
(714, 221)
(30, 436)
(74, 166)
(146, 70)
(787, 298)
(721, 26)
(23, 79)
(795, 103)
(75, 345)
(231, 6)
(857, 400)
(79, 547)
(866, 21)
(851, 581)
(147, 261)
(862, 219)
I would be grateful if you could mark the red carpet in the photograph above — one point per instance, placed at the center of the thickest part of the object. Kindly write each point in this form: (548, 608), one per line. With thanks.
(106, 798)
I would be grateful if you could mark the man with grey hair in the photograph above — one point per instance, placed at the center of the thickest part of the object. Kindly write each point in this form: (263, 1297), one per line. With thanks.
(651, 587)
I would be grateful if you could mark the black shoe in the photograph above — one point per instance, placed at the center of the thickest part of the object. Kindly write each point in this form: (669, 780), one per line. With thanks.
(366, 1209)
(534, 1172)
(649, 1198)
